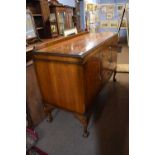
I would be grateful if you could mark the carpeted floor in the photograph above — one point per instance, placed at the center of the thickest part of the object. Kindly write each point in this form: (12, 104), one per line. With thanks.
(108, 127)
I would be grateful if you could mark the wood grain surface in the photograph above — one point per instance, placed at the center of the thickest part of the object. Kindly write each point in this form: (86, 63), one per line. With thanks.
(79, 46)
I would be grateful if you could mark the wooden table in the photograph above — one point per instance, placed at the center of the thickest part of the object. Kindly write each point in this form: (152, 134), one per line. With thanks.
(72, 71)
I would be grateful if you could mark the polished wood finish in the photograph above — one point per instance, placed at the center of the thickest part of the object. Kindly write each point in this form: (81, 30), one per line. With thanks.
(73, 71)
(80, 46)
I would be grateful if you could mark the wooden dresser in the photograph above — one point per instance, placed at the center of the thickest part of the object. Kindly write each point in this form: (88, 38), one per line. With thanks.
(72, 71)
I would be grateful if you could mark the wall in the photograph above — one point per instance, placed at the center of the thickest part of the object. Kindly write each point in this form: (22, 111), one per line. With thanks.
(113, 1)
(123, 33)
(82, 11)
(67, 2)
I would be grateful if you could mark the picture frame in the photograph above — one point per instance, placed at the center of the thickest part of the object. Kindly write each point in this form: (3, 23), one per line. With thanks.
(120, 7)
(102, 8)
(113, 24)
(31, 32)
(90, 7)
(110, 8)
(124, 24)
(109, 15)
(104, 24)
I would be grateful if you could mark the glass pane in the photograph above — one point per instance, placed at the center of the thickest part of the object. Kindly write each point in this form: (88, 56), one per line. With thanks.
(30, 29)
(61, 20)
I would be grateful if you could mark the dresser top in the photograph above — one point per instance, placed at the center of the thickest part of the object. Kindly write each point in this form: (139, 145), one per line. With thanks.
(77, 46)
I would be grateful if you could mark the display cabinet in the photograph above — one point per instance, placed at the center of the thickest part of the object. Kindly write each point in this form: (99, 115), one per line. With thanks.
(51, 18)
(62, 18)
(76, 16)
(40, 12)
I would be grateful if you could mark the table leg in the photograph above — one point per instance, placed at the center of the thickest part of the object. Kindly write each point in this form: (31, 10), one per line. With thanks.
(84, 121)
(48, 111)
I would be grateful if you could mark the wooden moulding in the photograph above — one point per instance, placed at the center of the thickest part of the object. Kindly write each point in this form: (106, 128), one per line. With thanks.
(58, 59)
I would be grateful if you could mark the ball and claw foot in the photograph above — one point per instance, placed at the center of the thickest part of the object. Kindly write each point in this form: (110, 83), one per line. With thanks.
(49, 118)
(86, 134)
(85, 131)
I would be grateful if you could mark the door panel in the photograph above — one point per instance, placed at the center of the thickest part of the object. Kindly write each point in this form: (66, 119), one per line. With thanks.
(93, 81)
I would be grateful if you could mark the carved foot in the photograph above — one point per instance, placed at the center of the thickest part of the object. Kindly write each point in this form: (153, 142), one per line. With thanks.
(84, 121)
(49, 117)
(85, 133)
(48, 110)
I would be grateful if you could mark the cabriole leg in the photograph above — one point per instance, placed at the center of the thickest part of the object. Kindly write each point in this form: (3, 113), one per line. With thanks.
(48, 110)
(84, 121)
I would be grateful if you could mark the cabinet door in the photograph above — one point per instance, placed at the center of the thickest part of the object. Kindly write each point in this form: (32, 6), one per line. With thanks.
(61, 21)
(68, 18)
(93, 81)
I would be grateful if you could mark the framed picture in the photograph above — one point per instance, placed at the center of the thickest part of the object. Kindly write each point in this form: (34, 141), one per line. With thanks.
(94, 7)
(120, 7)
(113, 24)
(104, 24)
(109, 15)
(31, 32)
(90, 7)
(110, 8)
(124, 24)
(103, 9)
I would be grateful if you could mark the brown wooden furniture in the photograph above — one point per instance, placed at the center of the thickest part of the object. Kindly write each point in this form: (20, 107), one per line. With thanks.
(40, 12)
(51, 18)
(72, 71)
(76, 16)
(63, 18)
